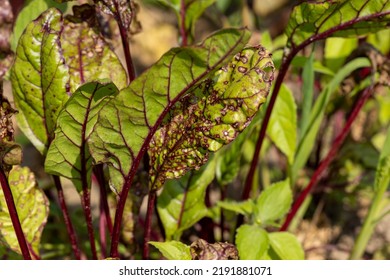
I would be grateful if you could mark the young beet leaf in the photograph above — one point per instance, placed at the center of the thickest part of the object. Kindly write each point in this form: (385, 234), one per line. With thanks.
(210, 116)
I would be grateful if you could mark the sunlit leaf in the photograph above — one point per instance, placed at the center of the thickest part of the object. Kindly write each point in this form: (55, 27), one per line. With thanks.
(181, 203)
(88, 56)
(273, 203)
(285, 246)
(252, 242)
(336, 18)
(173, 250)
(68, 155)
(40, 78)
(211, 116)
(29, 13)
(128, 122)
(32, 206)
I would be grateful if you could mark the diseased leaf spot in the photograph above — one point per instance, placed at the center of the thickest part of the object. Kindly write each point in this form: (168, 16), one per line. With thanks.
(211, 116)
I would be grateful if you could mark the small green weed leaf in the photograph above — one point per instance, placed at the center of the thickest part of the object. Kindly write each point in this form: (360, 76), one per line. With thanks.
(241, 207)
(32, 206)
(90, 57)
(285, 246)
(252, 242)
(68, 155)
(211, 116)
(173, 250)
(336, 18)
(282, 128)
(317, 113)
(128, 122)
(273, 203)
(29, 13)
(40, 78)
(181, 203)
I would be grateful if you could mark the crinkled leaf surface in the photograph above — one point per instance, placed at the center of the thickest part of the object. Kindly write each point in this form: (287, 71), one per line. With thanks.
(89, 57)
(252, 242)
(124, 12)
(32, 206)
(181, 203)
(273, 202)
(282, 128)
(69, 155)
(128, 122)
(202, 250)
(173, 250)
(10, 152)
(40, 78)
(211, 116)
(30, 12)
(339, 18)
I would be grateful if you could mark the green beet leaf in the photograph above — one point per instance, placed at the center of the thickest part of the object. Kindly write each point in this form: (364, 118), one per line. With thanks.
(30, 12)
(69, 155)
(173, 250)
(211, 116)
(53, 58)
(127, 123)
(181, 203)
(88, 56)
(32, 206)
(40, 78)
(252, 242)
(336, 18)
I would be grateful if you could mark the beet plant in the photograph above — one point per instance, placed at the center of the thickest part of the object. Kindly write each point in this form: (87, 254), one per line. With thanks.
(190, 128)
